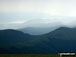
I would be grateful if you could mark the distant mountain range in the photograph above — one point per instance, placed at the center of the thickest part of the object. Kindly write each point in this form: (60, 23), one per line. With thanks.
(37, 30)
(60, 40)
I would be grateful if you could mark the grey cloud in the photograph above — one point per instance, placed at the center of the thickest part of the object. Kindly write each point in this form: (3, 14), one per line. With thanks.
(37, 13)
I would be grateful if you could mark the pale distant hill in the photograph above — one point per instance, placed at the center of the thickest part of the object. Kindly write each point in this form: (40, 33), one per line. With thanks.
(37, 30)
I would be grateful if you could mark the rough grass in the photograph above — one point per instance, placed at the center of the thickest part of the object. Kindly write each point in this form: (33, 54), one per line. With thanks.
(26, 55)
(30, 55)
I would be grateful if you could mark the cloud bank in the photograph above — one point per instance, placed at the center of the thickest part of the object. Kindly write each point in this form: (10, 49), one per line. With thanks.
(15, 14)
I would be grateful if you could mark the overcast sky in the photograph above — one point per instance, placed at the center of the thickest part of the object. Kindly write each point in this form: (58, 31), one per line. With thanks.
(37, 13)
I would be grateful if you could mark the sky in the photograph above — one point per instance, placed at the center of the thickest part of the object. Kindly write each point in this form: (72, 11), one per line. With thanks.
(15, 14)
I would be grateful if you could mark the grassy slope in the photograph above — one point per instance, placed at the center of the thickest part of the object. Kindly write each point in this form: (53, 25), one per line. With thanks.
(26, 55)
(30, 55)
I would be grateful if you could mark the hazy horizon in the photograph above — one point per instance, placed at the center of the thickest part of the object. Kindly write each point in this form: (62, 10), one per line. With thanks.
(16, 14)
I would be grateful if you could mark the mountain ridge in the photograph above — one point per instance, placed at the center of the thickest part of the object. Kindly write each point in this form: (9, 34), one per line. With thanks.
(63, 33)
(13, 41)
